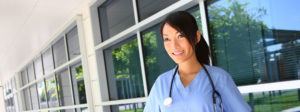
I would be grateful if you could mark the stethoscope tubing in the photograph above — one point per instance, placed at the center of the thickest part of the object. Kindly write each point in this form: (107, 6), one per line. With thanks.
(215, 93)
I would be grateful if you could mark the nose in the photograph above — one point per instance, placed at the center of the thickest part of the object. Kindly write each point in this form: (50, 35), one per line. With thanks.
(175, 44)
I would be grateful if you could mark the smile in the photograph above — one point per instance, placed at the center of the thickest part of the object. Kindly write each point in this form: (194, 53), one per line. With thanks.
(176, 53)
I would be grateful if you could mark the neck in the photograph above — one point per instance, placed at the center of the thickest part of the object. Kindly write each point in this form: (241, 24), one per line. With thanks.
(191, 67)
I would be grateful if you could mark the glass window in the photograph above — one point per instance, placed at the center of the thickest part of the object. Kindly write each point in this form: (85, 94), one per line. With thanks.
(30, 72)
(38, 67)
(84, 109)
(274, 101)
(147, 8)
(68, 110)
(52, 92)
(34, 97)
(123, 70)
(48, 62)
(27, 99)
(133, 107)
(73, 43)
(41, 88)
(59, 52)
(64, 88)
(154, 55)
(24, 77)
(78, 83)
(256, 41)
(115, 16)
(154, 51)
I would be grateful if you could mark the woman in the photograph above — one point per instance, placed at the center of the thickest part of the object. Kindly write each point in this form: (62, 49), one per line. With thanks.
(193, 85)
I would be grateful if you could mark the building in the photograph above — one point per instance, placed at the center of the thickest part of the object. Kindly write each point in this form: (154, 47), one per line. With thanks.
(107, 56)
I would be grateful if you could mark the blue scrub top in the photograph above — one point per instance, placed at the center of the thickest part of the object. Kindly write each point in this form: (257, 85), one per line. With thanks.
(197, 96)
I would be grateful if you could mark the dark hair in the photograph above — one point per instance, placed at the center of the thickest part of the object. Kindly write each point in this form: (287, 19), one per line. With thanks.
(186, 24)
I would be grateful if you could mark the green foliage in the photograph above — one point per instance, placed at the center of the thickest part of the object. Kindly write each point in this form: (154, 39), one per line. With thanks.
(237, 33)
(79, 72)
(275, 102)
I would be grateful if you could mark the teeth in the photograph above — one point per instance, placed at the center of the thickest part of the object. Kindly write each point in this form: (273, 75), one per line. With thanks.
(177, 52)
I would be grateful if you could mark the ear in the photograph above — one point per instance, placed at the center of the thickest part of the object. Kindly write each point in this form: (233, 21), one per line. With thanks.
(198, 36)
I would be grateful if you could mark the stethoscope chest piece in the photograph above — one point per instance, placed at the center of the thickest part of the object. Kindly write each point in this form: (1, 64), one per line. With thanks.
(168, 101)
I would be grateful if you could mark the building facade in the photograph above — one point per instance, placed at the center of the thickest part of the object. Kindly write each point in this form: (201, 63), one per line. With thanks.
(108, 57)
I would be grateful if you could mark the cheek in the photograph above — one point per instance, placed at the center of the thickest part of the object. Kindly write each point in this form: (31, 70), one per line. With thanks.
(167, 47)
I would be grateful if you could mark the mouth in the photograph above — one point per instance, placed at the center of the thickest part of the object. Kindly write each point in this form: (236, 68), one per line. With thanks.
(177, 53)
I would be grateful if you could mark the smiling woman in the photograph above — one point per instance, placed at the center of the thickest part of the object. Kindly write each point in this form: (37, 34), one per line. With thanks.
(211, 89)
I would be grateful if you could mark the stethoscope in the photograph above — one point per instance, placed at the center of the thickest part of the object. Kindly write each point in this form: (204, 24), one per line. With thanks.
(168, 101)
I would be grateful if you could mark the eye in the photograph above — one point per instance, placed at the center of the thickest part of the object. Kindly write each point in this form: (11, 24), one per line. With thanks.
(166, 39)
(181, 35)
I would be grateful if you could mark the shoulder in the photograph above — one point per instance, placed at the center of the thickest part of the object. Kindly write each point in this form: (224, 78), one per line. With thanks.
(216, 71)
(161, 86)
(164, 79)
(218, 74)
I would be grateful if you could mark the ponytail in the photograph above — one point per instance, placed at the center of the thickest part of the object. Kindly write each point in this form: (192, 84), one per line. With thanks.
(202, 51)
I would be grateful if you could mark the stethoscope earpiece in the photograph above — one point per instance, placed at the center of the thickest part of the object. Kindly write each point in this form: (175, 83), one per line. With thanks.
(168, 101)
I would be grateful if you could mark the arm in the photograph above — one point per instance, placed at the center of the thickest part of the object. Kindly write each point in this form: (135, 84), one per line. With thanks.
(152, 104)
(231, 96)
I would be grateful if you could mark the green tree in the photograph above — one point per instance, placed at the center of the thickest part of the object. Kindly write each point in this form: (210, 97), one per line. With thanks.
(237, 40)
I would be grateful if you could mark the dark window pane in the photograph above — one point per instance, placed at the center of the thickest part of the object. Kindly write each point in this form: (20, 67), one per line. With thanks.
(27, 99)
(30, 73)
(52, 92)
(147, 8)
(24, 77)
(154, 51)
(64, 88)
(73, 43)
(68, 110)
(59, 52)
(84, 109)
(154, 55)
(42, 94)
(78, 84)
(133, 107)
(115, 16)
(34, 97)
(274, 101)
(48, 62)
(256, 41)
(123, 70)
(38, 67)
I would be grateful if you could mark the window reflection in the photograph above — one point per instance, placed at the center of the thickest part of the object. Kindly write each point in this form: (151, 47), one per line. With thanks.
(73, 43)
(59, 52)
(38, 67)
(123, 70)
(147, 8)
(154, 55)
(52, 92)
(42, 94)
(274, 101)
(78, 84)
(48, 61)
(27, 99)
(254, 41)
(115, 16)
(133, 107)
(34, 97)
(64, 88)
(24, 77)
(30, 72)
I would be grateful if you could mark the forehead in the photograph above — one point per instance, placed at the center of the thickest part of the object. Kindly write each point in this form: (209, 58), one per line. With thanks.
(167, 29)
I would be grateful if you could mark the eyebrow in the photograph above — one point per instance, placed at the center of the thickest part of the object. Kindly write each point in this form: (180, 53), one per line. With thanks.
(167, 35)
